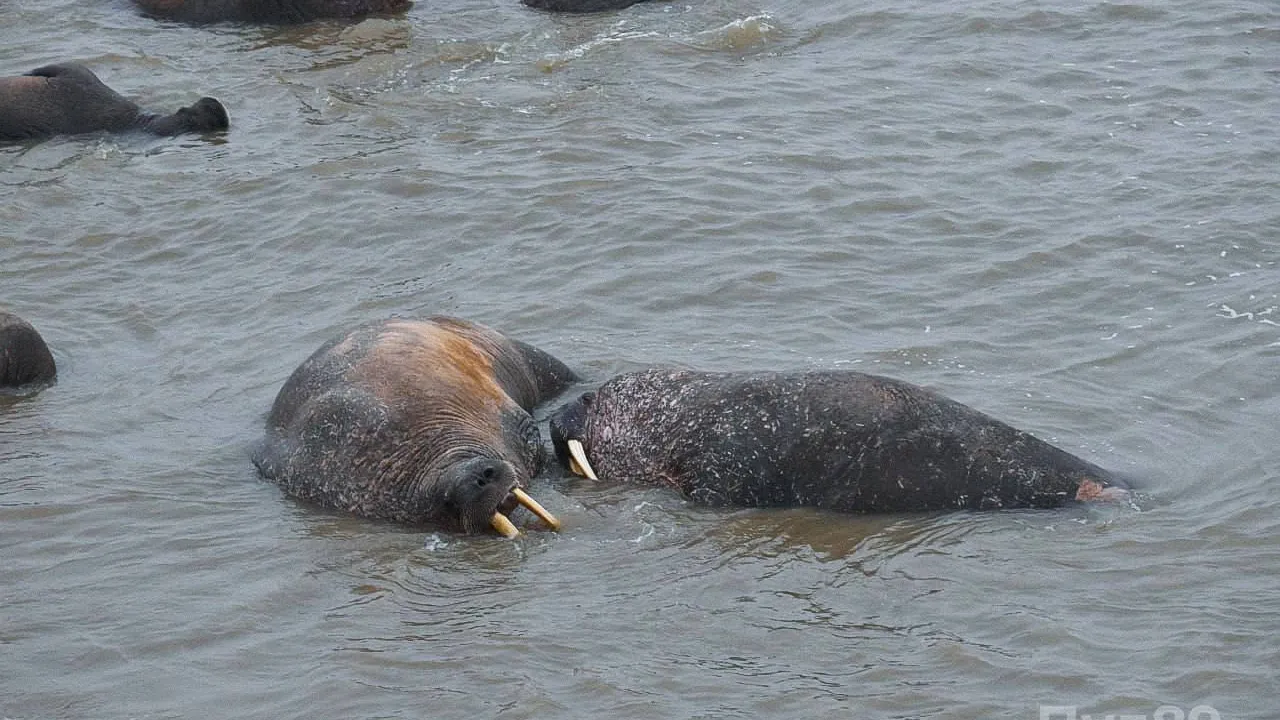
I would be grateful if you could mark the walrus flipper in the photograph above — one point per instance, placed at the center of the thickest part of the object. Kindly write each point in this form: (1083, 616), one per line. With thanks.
(67, 70)
(550, 376)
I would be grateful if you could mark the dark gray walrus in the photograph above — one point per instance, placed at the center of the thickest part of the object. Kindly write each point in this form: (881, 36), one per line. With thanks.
(296, 11)
(267, 11)
(423, 422)
(580, 6)
(66, 99)
(25, 361)
(841, 441)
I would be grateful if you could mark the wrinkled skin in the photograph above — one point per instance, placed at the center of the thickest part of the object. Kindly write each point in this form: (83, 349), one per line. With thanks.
(267, 11)
(68, 98)
(842, 441)
(25, 360)
(423, 422)
(580, 6)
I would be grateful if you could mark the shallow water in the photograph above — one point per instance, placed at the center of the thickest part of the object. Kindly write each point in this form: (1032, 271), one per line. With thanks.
(1065, 216)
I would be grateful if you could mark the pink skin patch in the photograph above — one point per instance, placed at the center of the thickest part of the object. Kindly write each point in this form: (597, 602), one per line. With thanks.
(1092, 490)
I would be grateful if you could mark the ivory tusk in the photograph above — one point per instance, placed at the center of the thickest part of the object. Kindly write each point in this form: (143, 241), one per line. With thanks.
(578, 460)
(503, 525)
(537, 509)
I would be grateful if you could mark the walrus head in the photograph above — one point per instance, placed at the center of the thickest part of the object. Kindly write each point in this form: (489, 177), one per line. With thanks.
(205, 115)
(481, 492)
(570, 437)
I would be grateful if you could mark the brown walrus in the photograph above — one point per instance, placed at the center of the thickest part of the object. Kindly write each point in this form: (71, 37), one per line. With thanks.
(843, 441)
(415, 421)
(68, 98)
(25, 360)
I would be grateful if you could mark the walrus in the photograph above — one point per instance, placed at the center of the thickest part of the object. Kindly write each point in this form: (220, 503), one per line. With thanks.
(25, 360)
(298, 11)
(842, 441)
(267, 11)
(67, 98)
(423, 422)
(580, 6)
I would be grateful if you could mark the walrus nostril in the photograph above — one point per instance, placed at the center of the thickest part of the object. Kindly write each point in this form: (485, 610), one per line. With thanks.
(487, 475)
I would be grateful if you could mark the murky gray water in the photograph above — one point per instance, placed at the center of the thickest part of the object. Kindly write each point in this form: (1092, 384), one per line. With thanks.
(1065, 216)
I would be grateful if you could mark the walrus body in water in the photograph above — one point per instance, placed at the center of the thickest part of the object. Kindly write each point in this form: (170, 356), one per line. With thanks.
(267, 11)
(843, 441)
(297, 11)
(580, 6)
(25, 360)
(424, 422)
(68, 99)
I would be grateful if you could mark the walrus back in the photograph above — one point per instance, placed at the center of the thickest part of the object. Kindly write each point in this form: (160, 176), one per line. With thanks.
(25, 359)
(843, 441)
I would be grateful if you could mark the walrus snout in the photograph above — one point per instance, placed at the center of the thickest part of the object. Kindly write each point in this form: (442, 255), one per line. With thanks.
(485, 492)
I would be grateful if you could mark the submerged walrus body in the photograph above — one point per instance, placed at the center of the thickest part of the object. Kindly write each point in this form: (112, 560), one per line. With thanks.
(423, 422)
(297, 11)
(842, 441)
(267, 11)
(25, 360)
(68, 99)
(580, 6)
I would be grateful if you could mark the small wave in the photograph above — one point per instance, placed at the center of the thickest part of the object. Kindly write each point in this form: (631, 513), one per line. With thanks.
(554, 61)
(738, 35)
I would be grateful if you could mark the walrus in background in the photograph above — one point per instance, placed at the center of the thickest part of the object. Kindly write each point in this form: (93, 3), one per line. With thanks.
(580, 6)
(415, 421)
(842, 441)
(25, 360)
(68, 98)
(267, 11)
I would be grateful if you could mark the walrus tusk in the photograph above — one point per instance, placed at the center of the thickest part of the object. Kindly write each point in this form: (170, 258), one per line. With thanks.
(536, 509)
(504, 526)
(578, 460)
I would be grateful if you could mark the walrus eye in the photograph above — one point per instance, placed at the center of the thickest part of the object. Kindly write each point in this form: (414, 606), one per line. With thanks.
(587, 399)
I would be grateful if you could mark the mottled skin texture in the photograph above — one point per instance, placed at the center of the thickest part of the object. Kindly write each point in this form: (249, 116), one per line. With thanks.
(267, 11)
(25, 360)
(414, 421)
(67, 99)
(842, 441)
(580, 6)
